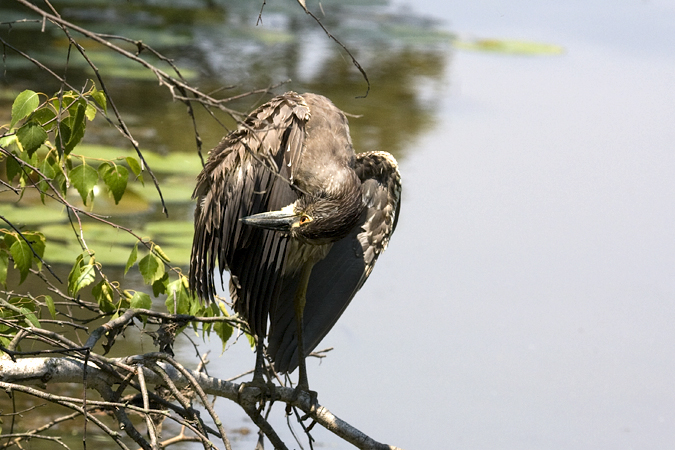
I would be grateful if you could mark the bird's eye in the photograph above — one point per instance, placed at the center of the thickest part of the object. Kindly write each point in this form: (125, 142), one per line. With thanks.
(305, 219)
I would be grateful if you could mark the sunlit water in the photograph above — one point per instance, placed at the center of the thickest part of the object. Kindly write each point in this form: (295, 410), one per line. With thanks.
(526, 301)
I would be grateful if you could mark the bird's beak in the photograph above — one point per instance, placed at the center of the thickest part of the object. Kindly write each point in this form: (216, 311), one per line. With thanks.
(274, 220)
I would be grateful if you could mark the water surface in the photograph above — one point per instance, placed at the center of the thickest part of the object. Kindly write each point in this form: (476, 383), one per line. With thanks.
(526, 299)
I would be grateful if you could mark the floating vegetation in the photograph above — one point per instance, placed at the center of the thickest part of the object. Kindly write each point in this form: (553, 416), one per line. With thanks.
(507, 46)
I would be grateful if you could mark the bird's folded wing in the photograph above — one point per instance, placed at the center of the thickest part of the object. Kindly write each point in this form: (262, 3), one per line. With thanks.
(247, 173)
(336, 278)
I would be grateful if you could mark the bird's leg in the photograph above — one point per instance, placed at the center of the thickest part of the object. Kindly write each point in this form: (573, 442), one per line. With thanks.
(299, 303)
(258, 378)
(258, 381)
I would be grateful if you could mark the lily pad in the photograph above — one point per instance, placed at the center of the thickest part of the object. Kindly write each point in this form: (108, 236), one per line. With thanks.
(174, 163)
(57, 253)
(412, 34)
(167, 227)
(175, 237)
(509, 47)
(131, 203)
(174, 190)
(96, 234)
(31, 215)
(104, 151)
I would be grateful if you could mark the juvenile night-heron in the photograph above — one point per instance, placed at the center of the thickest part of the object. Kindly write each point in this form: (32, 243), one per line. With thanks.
(297, 218)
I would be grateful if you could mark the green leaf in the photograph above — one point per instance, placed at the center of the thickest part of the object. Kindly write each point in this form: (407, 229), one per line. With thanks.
(140, 300)
(4, 264)
(151, 267)
(31, 135)
(48, 171)
(124, 301)
(90, 112)
(224, 331)
(50, 306)
(177, 297)
(216, 309)
(30, 158)
(159, 286)
(116, 179)
(62, 136)
(195, 307)
(103, 293)
(251, 341)
(75, 272)
(10, 239)
(206, 329)
(30, 317)
(132, 258)
(77, 125)
(100, 98)
(81, 274)
(9, 140)
(60, 182)
(87, 276)
(5, 343)
(103, 168)
(68, 99)
(45, 117)
(23, 258)
(12, 167)
(24, 104)
(84, 178)
(23, 302)
(37, 241)
(134, 165)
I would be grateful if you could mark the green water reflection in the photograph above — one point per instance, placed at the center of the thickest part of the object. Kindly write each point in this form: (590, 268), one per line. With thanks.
(218, 44)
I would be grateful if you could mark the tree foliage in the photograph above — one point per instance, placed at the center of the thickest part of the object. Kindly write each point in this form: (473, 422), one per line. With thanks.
(39, 153)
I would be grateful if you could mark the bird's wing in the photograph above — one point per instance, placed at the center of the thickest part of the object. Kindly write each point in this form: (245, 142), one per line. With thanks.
(336, 279)
(247, 173)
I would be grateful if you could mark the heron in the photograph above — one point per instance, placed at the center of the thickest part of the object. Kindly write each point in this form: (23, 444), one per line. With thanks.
(297, 218)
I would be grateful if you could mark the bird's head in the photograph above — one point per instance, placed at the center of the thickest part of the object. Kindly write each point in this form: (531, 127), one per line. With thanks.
(312, 219)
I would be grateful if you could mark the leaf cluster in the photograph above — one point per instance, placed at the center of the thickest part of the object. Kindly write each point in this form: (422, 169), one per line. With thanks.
(38, 151)
(37, 147)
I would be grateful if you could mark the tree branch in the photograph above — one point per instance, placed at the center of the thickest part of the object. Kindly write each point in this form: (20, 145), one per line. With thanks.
(69, 370)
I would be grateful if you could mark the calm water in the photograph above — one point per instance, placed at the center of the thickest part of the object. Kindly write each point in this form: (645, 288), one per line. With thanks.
(526, 300)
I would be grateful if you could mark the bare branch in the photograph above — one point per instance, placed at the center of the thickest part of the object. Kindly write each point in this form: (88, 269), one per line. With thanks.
(337, 41)
(69, 370)
(146, 405)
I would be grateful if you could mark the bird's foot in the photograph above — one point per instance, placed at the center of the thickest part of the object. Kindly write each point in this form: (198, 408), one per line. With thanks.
(266, 390)
(301, 389)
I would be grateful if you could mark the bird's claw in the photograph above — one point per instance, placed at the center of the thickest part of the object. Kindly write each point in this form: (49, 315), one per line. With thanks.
(266, 389)
(313, 396)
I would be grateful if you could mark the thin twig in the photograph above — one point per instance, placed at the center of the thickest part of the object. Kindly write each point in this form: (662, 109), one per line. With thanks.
(200, 392)
(146, 406)
(185, 403)
(356, 63)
